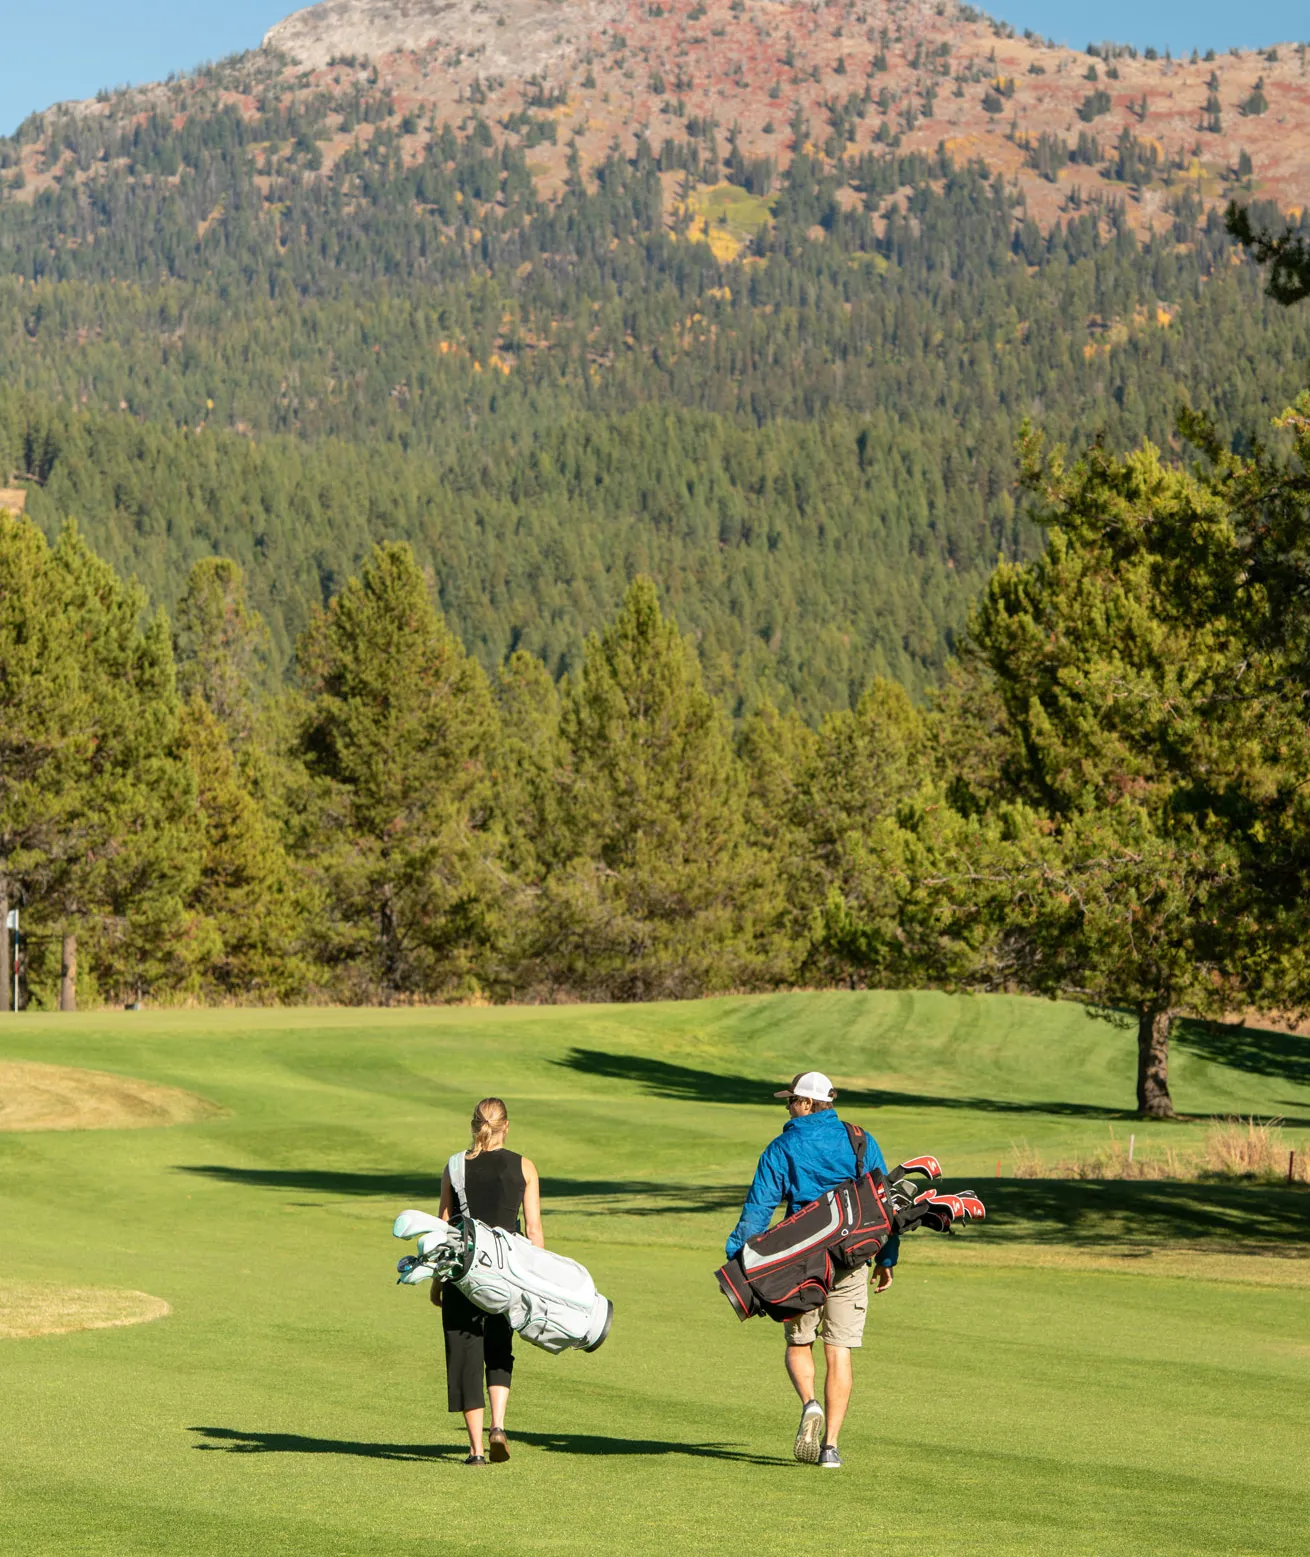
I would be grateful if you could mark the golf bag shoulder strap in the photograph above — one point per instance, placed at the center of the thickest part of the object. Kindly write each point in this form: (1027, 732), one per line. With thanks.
(455, 1168)
(858, 1141)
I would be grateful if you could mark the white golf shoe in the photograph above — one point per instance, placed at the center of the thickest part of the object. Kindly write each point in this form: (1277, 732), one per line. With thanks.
(809, 1435)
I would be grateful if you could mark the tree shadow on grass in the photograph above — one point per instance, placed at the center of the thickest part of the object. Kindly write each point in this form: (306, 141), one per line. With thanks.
(1255, 1050)
(1083, 1213)
(232, 1440)
(322, 1181)
(684, 1084)
(632, 1197)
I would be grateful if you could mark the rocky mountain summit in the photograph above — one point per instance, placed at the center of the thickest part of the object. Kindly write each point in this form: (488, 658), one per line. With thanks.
(506, 37)
(727, 93)
(1101, 124)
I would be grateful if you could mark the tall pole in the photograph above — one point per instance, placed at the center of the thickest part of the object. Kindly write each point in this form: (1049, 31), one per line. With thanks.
(68, 974)
(5, 963)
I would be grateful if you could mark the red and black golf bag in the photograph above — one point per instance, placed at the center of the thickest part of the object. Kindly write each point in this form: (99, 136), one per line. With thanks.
(789, 1269)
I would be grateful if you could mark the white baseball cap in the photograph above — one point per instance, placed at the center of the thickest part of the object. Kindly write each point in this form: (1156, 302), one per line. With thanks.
(812, 1084)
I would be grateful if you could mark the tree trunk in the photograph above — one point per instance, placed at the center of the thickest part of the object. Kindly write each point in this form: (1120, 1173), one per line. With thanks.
(68, 975)
(6, 967)
(1154, 1024)
(392, 955)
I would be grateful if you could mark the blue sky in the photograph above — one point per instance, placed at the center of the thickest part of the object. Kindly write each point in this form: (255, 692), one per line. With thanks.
(71, 48)
(1180, 25)
(53, 49)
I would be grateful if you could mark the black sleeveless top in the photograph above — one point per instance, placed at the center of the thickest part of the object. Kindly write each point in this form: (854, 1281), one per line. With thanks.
(494, 1184)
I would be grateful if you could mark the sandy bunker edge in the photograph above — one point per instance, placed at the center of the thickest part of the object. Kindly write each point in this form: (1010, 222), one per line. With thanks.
(35, 1308)
(37, 1096)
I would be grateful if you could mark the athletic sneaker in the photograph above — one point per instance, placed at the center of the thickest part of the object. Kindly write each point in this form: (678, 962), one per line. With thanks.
(499, 1447)
(829, 1459)
(809, 1435)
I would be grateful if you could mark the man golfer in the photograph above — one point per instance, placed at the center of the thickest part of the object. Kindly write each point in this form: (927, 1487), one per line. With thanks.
(811, 1156)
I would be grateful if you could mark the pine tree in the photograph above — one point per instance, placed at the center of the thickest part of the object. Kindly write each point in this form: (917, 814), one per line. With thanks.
(655, 889)
(98, 832)
(129, 854)
(1112, 809)
(252, 904)
(779, 753)
(1286, 253)
(45, 718)
(814, 800)
(398, 731)
(528, 763)
(1152, 741)
(867, 761)
(221, 645)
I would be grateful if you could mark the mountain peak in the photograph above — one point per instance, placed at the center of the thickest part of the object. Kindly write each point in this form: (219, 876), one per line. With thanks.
(511, 37)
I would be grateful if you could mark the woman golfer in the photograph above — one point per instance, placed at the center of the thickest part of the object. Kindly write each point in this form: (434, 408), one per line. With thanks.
(496, 1183)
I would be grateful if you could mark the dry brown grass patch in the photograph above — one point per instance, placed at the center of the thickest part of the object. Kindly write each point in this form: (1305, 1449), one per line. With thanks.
(61, 1097)
(1234, 1150)
(1177, 1263)
(30, 1308)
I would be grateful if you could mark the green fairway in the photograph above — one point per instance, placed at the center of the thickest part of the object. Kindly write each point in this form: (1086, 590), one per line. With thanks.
(1098, 1369)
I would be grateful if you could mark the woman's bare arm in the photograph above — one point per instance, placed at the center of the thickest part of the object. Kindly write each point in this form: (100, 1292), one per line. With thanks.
(532, 1204)
(445, 1210)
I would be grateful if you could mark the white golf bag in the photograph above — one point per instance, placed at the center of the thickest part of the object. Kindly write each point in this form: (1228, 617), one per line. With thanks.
(548, 1299)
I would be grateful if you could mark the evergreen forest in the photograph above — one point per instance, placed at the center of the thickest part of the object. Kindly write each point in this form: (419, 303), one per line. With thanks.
(425, 590)
(209, 345)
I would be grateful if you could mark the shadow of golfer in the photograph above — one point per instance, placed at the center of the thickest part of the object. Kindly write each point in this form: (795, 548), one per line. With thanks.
(232, 1440)
(594, 1443)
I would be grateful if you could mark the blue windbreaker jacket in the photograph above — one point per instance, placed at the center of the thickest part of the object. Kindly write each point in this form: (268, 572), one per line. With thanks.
(811, 1156)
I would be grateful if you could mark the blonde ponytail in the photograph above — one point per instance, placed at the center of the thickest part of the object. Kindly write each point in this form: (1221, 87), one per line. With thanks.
(489, 1120)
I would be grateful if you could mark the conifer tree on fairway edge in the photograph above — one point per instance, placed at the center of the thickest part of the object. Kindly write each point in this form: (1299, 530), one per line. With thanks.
(134, 860)
(98, 834)
(220, 644)
(255, 900)
(779, 753)
(404, 847)
(1109, 804)
(815, 799)
(1152, 738)
(655, 889)
(45, 717)
(528, 761)
(248, 891)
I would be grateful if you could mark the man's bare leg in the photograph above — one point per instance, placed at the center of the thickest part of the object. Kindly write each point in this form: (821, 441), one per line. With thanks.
(800, 1369)
(836, 1387)
(473, 1421)
(809, 1435)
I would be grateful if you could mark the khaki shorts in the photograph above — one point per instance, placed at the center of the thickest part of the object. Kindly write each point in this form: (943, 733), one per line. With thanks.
(843, 1314)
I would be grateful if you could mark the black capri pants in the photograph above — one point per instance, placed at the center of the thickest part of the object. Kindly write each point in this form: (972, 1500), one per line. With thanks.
(476, 1342)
